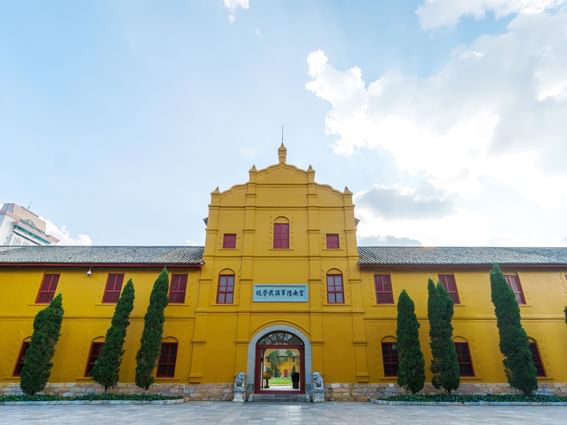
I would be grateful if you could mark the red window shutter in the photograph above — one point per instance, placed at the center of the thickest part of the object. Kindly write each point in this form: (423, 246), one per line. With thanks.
(390, 358)
(20, 361)
(113, 288)
(229, 240)
(335, 290)
(96, 347)
(448, 281)
(225, 291)
(383, 288)
(167, 360)
(514, 283)
(178, 288)
(464, 358)
(540, 371)
(332, 241)
(47, 288)
(281, 235)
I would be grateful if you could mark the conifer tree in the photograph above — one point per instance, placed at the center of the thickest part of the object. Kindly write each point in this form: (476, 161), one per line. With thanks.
(411, 374)
(444, 363)
(106, 370)
(150, 342)
(37, 362)
(514, 343)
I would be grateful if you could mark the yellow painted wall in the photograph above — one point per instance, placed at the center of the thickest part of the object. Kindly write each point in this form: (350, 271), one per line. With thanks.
(213, 339)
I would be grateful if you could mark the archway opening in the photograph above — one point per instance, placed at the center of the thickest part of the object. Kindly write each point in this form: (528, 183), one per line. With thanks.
(280, 364)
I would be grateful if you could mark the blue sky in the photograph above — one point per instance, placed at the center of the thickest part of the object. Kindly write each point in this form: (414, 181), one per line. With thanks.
(117, 119)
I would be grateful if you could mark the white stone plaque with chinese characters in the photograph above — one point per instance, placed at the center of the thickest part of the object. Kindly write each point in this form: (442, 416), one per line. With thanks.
(280, 293)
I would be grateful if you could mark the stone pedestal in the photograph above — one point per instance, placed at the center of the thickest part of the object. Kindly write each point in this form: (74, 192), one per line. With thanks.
(239, 395)
(318, 395)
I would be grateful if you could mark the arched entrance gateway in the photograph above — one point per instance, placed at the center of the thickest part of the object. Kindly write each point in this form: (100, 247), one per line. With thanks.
(279, 362)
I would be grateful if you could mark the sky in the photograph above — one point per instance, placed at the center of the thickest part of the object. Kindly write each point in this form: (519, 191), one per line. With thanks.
(446, 118)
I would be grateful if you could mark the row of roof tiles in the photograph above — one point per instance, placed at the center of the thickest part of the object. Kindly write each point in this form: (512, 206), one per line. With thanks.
(193, 255)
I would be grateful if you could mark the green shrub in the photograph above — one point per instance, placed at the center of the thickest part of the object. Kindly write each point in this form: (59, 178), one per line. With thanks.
(106, 370)
(411, 365)
(37, 361)
(150, 342)
(444, 362)
(514, 343)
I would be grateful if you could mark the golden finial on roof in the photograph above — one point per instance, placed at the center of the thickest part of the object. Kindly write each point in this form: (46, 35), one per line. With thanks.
(282, 153)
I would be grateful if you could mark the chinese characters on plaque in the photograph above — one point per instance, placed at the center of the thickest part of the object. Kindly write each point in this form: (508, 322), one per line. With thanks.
(280, 293)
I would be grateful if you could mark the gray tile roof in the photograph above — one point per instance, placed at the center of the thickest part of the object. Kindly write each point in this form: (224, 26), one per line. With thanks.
(388, 255)
(177, 255)
(193, 255)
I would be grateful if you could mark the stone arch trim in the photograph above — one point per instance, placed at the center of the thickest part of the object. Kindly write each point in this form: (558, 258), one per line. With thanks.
(308, 369)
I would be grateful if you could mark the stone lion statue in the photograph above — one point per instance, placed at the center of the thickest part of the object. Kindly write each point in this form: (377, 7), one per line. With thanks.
(317, 380)
(240, 378)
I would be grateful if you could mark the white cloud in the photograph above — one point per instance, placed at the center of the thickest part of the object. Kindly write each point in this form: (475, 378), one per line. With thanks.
(496, 110)
(64, 235)
(233, 6)
(447, 13)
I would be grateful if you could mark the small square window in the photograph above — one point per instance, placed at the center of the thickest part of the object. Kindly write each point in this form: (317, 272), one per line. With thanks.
(229, 240)
(332, 241)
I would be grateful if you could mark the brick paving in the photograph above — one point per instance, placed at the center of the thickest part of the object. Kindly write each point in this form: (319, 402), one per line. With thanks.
(201, 413)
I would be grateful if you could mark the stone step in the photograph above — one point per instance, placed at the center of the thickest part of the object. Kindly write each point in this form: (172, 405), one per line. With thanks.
(301, 398)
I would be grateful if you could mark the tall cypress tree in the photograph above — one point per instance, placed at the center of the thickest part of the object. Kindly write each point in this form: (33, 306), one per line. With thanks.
(411, 374)
(514, 343)
(444, 363)
(37, 362)
(106, 369)
(150, 342)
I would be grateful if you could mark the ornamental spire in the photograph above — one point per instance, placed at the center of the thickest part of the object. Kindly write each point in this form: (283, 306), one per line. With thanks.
(282, 153)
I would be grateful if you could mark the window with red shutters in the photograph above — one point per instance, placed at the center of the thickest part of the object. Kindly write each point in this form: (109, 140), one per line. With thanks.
(332, 241)
(514, 283)
(167, 359)
(335, 290)
(177, 288)
(47, 288)
(540, 371)
(20, 361)
(383, 288)
(229, 240)
(225, 292)
(96, 347)
(390, 358)
(281, 235)
(464, 358)
(113, 287)
(448, 281)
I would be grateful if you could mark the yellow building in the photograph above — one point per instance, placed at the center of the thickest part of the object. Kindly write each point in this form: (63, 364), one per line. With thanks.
(280, 270)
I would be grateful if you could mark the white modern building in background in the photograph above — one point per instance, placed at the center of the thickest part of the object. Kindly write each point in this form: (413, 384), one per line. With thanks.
(20, 226)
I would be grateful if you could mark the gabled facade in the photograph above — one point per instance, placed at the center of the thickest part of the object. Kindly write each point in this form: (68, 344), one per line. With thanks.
(280, 291)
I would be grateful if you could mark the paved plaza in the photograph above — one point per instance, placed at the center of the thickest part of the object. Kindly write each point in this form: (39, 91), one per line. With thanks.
(201, 413)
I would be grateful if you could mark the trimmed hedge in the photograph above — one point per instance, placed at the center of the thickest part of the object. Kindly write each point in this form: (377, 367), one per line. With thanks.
(460, 398)
(89, 397)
